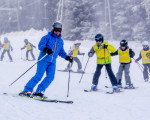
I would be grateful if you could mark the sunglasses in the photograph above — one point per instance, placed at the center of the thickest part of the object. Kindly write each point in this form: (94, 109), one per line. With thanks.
(57, 31)
(98, 41)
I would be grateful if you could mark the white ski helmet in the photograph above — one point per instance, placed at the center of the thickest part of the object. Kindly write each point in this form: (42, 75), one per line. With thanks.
(145, 43)
(77, 41)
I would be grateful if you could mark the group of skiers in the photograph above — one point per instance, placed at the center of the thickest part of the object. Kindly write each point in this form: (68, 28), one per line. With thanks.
(7, 48)
(51, 45)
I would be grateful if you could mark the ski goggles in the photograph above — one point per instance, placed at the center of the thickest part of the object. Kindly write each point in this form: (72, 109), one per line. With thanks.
(57, 29)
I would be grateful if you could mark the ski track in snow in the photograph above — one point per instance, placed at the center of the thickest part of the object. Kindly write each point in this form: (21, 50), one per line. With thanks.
(128, 105)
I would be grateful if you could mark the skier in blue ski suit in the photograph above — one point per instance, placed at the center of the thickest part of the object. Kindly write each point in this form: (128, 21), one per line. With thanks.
(52, 44)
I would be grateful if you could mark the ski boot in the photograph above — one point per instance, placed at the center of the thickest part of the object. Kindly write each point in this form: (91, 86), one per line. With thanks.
(39, 95)
(116, 89)
(146, 80)
(80, 71)
(25, 94)
(68, 69)
(94, 88)
(130, 86)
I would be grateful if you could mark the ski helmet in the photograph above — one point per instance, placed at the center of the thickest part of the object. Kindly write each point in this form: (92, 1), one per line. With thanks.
(99, 37)
(77, 42)
(123, 43)
(57, 26)
(5, 38)
(25, 40)
(145, 43)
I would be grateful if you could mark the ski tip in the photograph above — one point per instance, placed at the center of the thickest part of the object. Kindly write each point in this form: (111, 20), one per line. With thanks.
(87, 90)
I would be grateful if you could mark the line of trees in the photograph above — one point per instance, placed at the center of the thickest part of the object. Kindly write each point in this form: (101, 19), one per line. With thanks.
(82, 19)
(130, 19)
(18, 15)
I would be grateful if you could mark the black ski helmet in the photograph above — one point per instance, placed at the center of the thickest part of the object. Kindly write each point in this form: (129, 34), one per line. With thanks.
(123, 43)
(57, 26)
(99, 37)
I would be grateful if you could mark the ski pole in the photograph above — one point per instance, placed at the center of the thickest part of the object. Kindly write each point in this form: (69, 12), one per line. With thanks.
(28, 70)
(69, 80)
(84, 69)
(105, 64)
(140, 66)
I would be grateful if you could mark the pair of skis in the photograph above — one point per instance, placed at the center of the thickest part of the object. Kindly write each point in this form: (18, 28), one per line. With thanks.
(43, 99)
(99, 90)
(112, 91)
(74, 72)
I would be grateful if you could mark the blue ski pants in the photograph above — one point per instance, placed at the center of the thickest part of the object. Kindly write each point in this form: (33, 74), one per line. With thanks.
(42, 66)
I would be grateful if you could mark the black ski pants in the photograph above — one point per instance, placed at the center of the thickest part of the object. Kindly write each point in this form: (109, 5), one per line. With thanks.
(111, 75)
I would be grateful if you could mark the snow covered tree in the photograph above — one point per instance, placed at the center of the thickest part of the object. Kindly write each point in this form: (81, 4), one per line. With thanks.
(80, 17)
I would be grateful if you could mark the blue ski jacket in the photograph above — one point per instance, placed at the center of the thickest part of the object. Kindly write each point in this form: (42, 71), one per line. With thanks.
(54, 42)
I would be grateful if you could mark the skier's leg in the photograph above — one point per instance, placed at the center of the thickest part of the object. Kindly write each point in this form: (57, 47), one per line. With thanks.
(8, 51)
(119, 74)
(97, 74)
(27, 54)
(149, 69)
(111, 75)
(127, 76)
(31, 51)
(50, 73)
(79, 63)
(145, 72)
(41, 67)
(2, 56)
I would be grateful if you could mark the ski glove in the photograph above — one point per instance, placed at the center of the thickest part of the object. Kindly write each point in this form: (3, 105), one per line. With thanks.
(69, 58)
(131, 55)
(105, 46)
(48, 51)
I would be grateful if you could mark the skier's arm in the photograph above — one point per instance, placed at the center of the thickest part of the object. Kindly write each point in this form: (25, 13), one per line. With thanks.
(91, 52)
(32, 45)
(139, 57)
(115, 53)
(23, 47)
(79, 53)
(131, 53)
(10, 46)
(111, 48)
(42, 43)
(62, 52)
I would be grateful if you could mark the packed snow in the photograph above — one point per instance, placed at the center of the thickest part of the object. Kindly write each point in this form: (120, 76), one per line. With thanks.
(127, 105)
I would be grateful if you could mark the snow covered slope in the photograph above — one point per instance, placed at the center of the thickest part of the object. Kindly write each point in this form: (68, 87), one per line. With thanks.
(128, 105)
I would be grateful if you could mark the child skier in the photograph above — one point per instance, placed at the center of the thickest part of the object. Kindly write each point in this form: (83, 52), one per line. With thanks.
(74, 51)
(7, 47)
(103, 50)
(145, 55)
(29, 48)
(51, 44)
(125, 55)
